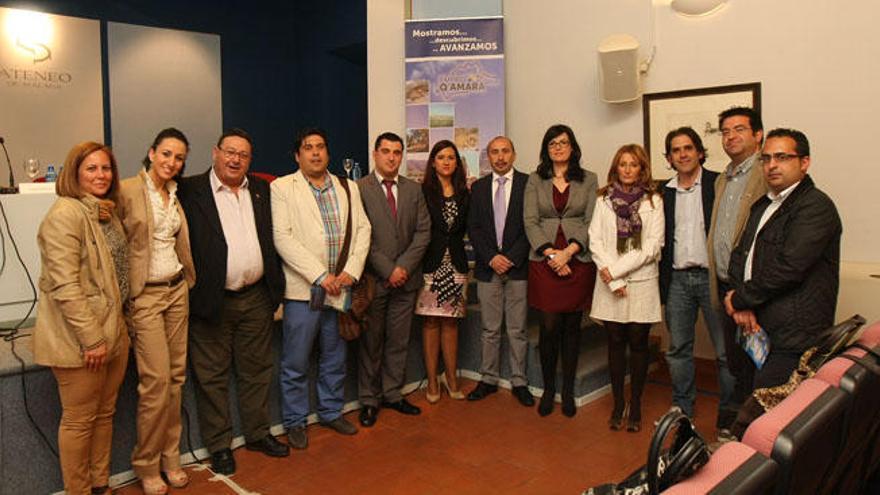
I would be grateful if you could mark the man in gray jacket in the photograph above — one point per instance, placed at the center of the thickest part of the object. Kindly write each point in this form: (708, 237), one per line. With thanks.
(397, 211)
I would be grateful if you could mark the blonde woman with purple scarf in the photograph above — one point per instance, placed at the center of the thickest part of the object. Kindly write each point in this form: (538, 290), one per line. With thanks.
(626, 236)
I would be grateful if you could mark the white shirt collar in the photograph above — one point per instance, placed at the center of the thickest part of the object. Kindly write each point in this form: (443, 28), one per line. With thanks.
(673, 182)
(171, 185)
(508, 175)
(381, 179)
(782, 195)
(746, 165)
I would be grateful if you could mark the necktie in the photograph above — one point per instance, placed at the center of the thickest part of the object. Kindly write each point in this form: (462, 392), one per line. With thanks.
(389, 195)
(500, 208)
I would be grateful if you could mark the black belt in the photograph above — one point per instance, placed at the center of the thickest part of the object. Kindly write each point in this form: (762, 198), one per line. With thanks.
(244, 289)
(691, 269)
(171, 282)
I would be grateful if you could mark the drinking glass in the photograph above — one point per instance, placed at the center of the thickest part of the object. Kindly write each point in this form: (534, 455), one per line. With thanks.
(32, 168)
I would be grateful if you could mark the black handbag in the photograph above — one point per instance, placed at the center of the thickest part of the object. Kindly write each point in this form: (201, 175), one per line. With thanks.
(686, 454)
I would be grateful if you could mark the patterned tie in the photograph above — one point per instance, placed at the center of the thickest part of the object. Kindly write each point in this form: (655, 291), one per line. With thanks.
(389, 195)
(500, 208)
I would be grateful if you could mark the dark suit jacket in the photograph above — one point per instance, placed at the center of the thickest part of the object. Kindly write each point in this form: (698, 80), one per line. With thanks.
(481, 228)
(707, 186)
(209, 245)
(401, 242)
(443, 236)
(795, 268)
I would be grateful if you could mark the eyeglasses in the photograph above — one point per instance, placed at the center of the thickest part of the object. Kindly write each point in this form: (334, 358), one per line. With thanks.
(740, 129)
(562, 143)
(779, 157)
(229, 154)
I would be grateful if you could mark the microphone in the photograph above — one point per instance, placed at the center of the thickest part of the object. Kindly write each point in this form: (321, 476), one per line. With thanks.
(11, 189)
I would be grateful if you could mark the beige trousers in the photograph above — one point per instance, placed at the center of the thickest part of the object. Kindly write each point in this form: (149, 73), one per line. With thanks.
(88, 402)
(158, 323)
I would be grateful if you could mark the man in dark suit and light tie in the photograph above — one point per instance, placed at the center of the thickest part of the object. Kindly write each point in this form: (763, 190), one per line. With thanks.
(401, 231)
(238, 287)
(495, 228)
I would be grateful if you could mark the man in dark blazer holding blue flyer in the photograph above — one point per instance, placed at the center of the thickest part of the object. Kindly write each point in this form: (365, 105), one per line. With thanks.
(786, 267)
(495, 228)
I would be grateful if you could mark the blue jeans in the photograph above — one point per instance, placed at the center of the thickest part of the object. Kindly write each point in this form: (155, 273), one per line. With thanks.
(688, 293)
(301, 328)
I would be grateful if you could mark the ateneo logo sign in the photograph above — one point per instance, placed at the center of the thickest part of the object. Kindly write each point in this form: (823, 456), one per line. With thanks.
(39, 52)
(28, 36)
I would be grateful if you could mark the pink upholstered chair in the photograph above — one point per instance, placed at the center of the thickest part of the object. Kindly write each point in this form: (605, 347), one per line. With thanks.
(862, 418)
(803, 434)
(735, 468)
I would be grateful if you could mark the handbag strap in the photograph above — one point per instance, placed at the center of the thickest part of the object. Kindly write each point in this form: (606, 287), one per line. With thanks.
(346, 241)
(865, 362)
(867, 349)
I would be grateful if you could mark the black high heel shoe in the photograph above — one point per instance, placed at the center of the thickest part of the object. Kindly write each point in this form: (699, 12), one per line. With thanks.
(616, 421)
(634, 421)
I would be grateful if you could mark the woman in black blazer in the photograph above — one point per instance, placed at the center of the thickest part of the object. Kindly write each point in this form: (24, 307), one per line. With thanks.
(442, 299)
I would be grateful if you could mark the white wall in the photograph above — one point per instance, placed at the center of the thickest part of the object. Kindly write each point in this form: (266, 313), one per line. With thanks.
(817, 62)
(385, 68)
(438, 9)
(163, 78)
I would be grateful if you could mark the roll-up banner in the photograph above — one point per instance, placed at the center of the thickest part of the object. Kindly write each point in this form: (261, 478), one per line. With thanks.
(454, 89)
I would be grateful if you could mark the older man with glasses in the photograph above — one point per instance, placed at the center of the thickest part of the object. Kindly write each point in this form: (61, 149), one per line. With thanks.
(238, 287)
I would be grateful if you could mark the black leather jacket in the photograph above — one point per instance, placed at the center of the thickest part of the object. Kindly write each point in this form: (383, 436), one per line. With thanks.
(795, 268)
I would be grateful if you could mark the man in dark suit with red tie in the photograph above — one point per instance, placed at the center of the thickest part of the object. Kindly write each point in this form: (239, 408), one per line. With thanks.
(401, 231)
(495, 228)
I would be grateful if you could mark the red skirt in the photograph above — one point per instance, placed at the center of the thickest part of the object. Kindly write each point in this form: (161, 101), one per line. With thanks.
(551, 293)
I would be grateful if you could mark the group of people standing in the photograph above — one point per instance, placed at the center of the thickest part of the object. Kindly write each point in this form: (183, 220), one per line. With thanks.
(194, 268)
(177, 269)
(756, 248)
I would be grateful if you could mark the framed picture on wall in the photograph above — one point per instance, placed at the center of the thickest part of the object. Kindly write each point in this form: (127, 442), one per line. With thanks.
(697, 108)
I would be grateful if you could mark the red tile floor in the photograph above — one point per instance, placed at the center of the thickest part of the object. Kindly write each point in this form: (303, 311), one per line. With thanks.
(459, 447)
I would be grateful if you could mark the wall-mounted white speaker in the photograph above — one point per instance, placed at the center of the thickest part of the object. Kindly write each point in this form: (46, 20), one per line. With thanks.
(696, 7)
(619, 68)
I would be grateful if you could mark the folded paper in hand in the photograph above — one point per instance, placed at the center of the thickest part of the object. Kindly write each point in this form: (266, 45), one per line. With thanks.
(756, 345)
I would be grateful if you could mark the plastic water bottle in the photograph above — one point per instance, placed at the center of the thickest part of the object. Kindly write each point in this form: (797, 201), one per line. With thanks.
(50, 173)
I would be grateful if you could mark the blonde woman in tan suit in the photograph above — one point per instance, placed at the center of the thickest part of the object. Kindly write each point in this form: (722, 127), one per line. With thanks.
(161, 273)
(80, 331)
